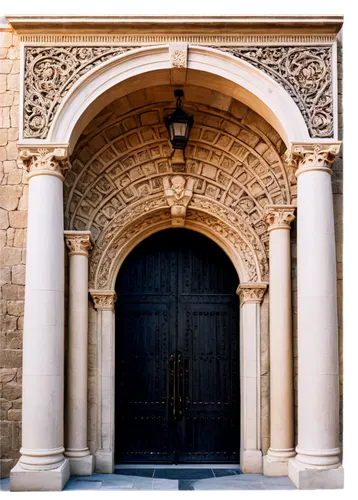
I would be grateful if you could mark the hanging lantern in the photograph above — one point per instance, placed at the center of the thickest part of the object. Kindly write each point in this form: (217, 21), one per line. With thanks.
(179, 124)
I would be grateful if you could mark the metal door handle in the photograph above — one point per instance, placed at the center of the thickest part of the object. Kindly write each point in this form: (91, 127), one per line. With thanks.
(172, 382)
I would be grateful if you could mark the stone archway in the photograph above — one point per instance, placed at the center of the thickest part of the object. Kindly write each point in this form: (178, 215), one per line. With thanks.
(235, 181)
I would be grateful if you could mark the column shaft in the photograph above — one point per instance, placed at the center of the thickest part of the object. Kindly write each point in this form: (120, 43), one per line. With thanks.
(42, 465)
(318, 373)
(278, 219)
(81, 461)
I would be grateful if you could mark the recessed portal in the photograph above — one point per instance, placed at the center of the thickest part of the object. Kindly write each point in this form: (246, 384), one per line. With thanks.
(177, 352)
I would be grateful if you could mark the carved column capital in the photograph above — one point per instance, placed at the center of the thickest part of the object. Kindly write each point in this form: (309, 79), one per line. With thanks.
(45, 160)
(306, 157)
(79, 242)
(251, 292)
(103, 299)
(278, 216)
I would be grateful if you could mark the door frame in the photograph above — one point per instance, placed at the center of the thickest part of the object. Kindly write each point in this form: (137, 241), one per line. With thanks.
(251, 296)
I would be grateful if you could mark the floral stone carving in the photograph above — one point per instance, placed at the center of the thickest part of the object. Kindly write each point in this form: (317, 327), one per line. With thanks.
(50, 72)
(304, 72)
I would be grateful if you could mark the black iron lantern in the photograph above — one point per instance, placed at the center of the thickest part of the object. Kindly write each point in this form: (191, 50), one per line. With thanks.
(179, 123)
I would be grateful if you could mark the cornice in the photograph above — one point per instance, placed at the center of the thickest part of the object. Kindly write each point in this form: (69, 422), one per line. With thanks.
(25, 24)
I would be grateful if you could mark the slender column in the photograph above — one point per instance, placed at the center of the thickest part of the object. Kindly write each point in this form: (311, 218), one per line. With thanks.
(104, 303)
(42, 465)
(81, 461)
(317, 462)
(251, 295)
(278, 219)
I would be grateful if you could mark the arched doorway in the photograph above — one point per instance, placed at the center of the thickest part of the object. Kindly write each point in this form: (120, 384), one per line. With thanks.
(177, 395)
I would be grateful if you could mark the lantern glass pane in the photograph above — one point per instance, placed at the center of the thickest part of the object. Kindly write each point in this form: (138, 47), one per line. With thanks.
(180, 129)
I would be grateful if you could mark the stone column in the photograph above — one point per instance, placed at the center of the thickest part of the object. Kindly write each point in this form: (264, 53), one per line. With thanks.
(278, 219)
(42, 465)
(81, 461)
(104, 303)
(251, 295)
(317, 462)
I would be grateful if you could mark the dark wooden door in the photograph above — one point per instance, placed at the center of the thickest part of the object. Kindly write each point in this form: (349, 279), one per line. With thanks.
(177, 352)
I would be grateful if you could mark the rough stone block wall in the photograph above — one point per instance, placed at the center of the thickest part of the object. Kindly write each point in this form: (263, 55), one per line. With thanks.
(13, 223)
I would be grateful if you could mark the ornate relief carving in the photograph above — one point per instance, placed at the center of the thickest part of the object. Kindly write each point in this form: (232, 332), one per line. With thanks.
(101, 272)
(178, 191)
(49, 74)
(238, 232)
(251, 292)
(278, 216)
(103, 299)
(79, 243)
(45, 161)
(178, 53)
(305, 73)
(307, 156)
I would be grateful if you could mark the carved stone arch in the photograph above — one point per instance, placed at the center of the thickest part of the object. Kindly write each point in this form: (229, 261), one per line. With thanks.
(212, 68)
(245, 250)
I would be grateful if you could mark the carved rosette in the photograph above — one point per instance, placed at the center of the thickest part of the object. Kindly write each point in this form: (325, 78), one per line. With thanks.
(45, 161)
(279, 216)
(251, 292)
(104, 299)
(306, 157)
(178, 53)
(79, 242)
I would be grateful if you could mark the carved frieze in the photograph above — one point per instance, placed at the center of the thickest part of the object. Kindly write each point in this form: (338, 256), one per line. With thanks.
(49, 74)
(305, 72)
(44, 161)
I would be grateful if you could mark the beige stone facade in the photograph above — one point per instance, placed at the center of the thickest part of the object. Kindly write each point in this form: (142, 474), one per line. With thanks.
(97, 124)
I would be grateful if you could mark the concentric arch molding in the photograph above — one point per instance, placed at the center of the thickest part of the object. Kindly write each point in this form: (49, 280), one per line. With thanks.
(304, 71)
(240, 244)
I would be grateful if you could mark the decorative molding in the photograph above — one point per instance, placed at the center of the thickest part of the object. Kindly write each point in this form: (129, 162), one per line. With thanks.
(175, 38)
(251, 292)
(79, 242)
(103, 299)
(306, 157)
(305, 73)
(49, 74)
(279, 216)
(44, 161)
(178, 191)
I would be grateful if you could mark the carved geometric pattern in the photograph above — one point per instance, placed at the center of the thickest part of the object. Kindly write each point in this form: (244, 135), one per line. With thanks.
(304, 72)
(121, 167)
(49, 74)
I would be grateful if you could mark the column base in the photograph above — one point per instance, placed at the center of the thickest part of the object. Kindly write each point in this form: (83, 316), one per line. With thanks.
(251, 462)
(275, 467)
(39, 480)
(313, 479)
(83, 466)
(104, 462)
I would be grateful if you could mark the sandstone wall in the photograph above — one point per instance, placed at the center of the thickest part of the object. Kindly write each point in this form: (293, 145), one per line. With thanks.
(13, 223)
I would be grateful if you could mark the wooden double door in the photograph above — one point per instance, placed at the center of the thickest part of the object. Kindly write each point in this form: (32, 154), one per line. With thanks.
(177, 352)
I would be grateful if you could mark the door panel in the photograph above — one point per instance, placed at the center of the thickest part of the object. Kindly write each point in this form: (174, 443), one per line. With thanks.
(176, 296)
